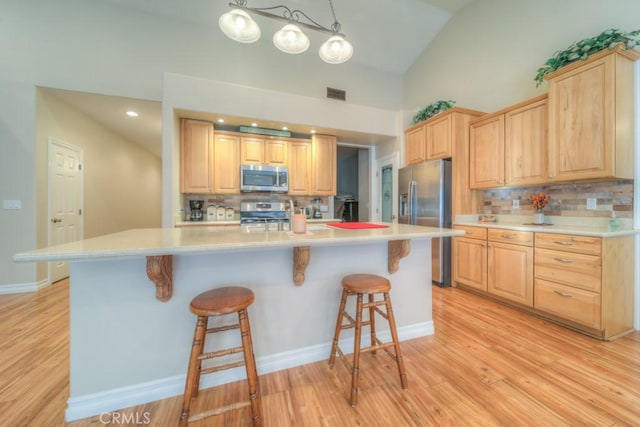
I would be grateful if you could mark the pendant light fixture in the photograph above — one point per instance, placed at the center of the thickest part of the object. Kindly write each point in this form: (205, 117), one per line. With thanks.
(238, 26)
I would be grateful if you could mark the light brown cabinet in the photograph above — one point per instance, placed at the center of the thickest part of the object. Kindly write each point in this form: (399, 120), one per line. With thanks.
(226, 164)
(591, 116)
(586, 282)
(438, 136)
(196, 156)
(324, 165)
(509, 147)
(263, 151)
(299, 168)
(470, 257)
(415, 144)
(510, 265)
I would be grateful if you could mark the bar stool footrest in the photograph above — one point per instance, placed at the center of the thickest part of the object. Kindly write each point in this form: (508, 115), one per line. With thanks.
(219, 411)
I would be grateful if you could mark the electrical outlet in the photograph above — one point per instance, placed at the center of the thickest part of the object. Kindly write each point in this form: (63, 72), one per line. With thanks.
(592, 203)
(515, 204)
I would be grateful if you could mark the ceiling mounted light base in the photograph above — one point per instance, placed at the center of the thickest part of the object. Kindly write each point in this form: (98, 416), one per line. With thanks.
(238, 26)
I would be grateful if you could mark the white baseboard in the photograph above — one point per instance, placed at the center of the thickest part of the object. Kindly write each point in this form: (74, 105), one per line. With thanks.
(22, 288)
(112, 400)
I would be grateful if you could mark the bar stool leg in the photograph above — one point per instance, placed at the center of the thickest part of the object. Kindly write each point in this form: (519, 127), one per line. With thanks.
(193, 372)
(396, 342)
(356, 352)
(250, 366)
(336, 334)
(372, 322)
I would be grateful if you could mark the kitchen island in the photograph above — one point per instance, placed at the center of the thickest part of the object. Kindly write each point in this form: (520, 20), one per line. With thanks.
(130, 338)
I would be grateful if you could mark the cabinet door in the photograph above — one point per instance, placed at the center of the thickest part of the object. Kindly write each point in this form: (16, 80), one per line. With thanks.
(415, 145)
(438, 136)
(582, 122)
(300, 168)
(526, 149)
(276, 152)
(226, 178)
(486, 153)
(510, 272)
(252, 151)
(470, 262)
(324, 154)
(196, 149)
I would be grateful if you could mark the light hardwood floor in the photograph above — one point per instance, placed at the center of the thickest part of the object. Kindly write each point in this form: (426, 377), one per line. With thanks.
(486, 365)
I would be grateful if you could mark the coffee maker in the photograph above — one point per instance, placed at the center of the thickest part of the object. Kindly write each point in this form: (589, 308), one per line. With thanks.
(196, 209)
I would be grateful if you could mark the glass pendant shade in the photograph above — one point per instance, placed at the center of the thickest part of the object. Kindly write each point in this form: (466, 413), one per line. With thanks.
(291, 40)
(238, 26)
(336, 50)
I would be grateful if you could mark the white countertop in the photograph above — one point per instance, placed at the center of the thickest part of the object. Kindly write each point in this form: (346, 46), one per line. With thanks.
(594, 227)
(194, 240)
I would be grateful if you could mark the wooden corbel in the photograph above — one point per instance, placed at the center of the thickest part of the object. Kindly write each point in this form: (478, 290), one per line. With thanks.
(397, 249)
(301, 256)
(160, 272)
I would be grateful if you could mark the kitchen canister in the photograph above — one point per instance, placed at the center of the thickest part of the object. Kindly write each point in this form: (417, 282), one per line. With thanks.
(230, 214)
(300, 222)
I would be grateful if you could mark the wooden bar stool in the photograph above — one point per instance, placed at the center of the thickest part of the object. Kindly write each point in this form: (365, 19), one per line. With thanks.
(359, 285)
(219, 302)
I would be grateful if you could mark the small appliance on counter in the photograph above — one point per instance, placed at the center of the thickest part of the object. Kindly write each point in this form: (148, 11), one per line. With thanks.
(317, 213)
(196, 210)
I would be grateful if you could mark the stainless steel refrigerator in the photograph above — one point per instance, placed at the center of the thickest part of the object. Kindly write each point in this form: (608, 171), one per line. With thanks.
(425, 199)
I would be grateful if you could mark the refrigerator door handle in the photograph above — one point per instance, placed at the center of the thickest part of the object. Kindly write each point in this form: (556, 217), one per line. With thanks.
(412, 206)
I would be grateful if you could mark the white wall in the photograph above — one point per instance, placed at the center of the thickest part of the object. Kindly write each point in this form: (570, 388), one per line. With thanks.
(487, 55)
(122, 181)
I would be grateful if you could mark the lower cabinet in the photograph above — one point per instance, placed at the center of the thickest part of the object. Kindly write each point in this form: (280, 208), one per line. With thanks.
(470, 257)
(510, 265)
(582, 282)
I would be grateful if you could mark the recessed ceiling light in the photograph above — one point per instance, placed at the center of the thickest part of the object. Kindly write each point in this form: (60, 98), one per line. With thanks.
(313, 131)
(220, 120)
(132, 114)
(284, 128)
(254, 124)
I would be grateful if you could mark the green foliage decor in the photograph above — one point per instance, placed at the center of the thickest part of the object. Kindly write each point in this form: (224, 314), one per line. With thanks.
(608, 39)
(431, 110)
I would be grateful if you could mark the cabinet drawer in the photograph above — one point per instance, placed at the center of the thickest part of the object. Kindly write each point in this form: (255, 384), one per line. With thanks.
(569, 303)
(579, 270)
(566, 242)
(510, 236)
(472, 232)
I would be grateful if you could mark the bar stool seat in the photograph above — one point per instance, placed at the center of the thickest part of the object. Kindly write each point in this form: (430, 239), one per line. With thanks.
(370, 285)
(220, 302)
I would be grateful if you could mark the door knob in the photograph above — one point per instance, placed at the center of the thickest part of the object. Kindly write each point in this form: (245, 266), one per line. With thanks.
(56, 220)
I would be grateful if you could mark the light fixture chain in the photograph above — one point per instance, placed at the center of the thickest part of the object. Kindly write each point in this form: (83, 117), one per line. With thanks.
(335, 27)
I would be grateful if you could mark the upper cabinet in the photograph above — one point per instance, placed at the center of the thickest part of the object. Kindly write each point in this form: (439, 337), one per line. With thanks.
(226, 166)
(263, 151)
(591, 117)
(324, 165)
(196, 156)
(509, 147)
(415, 144)
(299, 168)
(438, 134)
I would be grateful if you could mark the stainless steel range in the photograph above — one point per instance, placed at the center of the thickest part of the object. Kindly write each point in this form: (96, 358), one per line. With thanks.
(268, 214)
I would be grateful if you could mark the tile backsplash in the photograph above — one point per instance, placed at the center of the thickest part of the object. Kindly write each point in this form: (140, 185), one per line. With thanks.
(233, 201)
(565, 199)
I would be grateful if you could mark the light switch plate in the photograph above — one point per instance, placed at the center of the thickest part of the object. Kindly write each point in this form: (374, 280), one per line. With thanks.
(592, 203)
(515, 204)
(12, 204)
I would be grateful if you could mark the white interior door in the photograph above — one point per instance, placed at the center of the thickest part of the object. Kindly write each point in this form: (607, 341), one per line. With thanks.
(65, 200)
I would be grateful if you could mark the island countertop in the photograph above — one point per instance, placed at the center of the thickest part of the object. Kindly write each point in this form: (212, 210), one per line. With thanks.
(197, 240)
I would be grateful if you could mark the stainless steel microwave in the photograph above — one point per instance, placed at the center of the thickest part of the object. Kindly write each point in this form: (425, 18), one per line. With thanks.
(264, 178)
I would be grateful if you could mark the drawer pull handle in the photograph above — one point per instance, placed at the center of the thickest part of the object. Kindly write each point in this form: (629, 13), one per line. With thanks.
(559, 242)
(508, 236)
(564, 294)
(564, 260)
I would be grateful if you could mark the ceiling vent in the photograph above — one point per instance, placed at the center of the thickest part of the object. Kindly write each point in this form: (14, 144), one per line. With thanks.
(338, 94)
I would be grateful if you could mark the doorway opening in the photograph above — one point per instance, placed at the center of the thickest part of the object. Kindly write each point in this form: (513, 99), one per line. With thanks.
(353, 199)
